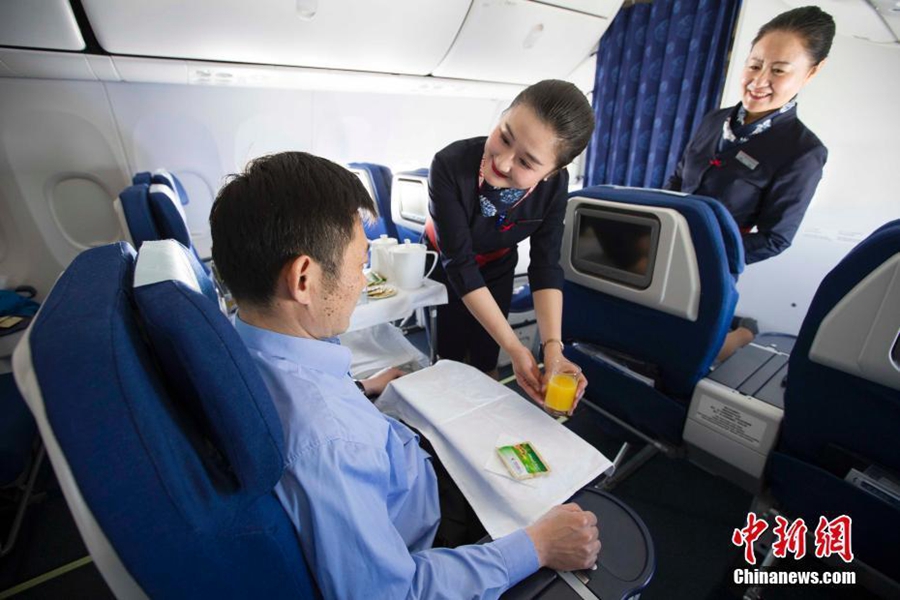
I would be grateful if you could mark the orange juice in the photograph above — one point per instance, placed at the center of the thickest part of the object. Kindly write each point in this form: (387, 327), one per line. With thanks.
(561, 392)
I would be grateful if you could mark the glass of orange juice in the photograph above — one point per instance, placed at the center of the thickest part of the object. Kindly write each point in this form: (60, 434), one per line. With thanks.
(561, 388)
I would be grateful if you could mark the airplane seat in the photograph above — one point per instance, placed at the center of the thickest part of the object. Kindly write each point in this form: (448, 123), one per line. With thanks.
(521, 298)
(167, 451)
(842, 404)
(167, 200)
(377, 181)
(409, 204)
(649, 295)
(132, 207)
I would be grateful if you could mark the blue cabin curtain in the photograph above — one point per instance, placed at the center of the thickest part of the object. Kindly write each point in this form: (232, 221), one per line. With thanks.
(660, 69)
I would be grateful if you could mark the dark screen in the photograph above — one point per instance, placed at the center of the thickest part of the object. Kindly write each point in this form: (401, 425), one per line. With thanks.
(614, 244)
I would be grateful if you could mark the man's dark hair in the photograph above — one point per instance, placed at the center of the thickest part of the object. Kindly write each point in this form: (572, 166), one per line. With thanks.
(811, 23)
(566, 110)
(283, 206)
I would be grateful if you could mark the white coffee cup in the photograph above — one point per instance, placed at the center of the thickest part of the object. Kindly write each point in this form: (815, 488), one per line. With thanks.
(408, 265)
(379, 255)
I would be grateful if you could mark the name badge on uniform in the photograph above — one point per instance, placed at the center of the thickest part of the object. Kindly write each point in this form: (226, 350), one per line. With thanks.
(747, 160)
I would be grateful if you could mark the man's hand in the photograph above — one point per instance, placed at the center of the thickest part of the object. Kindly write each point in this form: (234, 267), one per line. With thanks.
(528, 375)
(566, 538)
(376, 383)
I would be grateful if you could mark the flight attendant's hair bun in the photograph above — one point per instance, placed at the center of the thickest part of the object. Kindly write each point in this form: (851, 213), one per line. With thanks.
(811, 23)
(566, 110)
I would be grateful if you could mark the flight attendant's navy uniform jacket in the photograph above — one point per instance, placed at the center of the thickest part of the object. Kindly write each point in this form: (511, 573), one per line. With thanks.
(463, 232)
(769, 186)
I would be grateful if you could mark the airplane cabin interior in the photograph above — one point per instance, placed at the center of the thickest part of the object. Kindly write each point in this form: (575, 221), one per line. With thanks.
(141, 450)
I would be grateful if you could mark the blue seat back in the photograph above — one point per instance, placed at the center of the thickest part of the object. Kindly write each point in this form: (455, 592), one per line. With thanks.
(152, 209)
(826, 405)
(180, 482)
(680, 349)
(838, 413)
(378, 179)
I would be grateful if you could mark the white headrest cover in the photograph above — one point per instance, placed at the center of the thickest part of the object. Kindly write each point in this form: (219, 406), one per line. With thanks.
(164, 260)
(159, 188)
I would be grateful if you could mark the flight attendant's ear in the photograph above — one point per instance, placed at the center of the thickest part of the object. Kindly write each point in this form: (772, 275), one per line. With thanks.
(815, 71)
(554, 172)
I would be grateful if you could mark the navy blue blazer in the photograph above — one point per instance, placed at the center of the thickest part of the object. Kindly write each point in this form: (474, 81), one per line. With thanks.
(462, 231)
(766, 182)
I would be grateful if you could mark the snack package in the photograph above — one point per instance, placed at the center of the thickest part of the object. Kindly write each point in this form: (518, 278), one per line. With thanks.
(523, 461)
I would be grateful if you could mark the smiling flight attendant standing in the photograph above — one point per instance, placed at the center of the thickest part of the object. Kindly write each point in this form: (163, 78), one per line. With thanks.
(487, 195)
(757, 158)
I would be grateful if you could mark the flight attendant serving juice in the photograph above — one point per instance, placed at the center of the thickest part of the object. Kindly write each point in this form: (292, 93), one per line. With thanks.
(561, 388)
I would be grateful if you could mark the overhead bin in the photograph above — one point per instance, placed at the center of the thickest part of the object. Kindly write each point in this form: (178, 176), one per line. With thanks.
(519, 41)
(48, 24)
(392, 36)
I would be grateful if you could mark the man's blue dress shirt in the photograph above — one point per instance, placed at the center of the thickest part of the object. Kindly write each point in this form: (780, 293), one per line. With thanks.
(361, 492)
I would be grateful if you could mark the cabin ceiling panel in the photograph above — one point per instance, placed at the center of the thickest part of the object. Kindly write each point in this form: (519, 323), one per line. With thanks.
(598, 8)
(584, 74)
(519, 41)
(46, 65)
(46, 24)
(889, 11)
(856, 18)
(394, 36)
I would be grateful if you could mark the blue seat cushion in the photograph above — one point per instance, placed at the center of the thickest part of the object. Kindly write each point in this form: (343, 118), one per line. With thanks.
(522, 301)
(171, 180)
(170, 223)
(135, 202)
(381, 183)
(166, 497)
(731, 235)
(209, 369)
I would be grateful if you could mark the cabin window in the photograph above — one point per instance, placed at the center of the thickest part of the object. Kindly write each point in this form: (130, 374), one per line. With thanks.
(73, 198)
(616, 245)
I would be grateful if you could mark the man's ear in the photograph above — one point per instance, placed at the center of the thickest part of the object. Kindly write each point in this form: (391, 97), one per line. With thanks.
(298, 275)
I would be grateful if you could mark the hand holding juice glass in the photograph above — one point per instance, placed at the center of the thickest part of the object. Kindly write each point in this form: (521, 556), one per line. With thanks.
(561, 388)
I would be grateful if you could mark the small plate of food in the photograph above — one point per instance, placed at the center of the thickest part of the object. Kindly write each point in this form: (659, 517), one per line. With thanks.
(379, 291)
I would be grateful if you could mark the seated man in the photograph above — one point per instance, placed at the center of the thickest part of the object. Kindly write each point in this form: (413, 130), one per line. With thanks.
(289, 242)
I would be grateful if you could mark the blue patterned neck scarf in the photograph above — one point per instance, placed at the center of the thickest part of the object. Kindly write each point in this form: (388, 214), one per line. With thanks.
(735, 132)
(495, 201)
